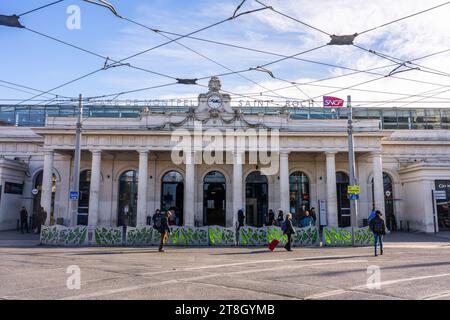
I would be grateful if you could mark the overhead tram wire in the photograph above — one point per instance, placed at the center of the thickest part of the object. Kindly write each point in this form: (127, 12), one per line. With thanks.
(104, 58)
(292, 18)
(403, 18)
(142, 52)
(385, 24)
(30, 88)
(409, 103)
(421, 94)
(361, 71)
(39, 8)
(402, 61)
(231, 72)
(355, 71)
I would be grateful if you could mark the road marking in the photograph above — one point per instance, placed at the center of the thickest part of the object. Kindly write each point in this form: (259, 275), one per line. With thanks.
(390, 282)
(212, 266)
(326, 294)
(436, 296)
(190, 279)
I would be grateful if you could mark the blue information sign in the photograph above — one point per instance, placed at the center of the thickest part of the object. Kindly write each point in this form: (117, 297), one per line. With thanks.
(73, 195)
(353, 196)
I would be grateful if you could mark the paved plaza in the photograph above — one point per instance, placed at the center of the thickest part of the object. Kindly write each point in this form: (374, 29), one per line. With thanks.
(415, 266)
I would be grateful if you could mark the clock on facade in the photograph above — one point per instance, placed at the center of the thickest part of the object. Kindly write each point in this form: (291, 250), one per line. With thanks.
(214, 101)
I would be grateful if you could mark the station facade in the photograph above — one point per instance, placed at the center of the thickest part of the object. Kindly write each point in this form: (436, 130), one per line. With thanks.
(131, 166)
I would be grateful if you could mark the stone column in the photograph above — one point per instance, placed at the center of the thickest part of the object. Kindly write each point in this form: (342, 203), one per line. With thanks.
(142, 188)
(332, 212)
(189, 190)
(47, 182)
(94, 191)
(238, 159)
(378, 184)
(284, 182)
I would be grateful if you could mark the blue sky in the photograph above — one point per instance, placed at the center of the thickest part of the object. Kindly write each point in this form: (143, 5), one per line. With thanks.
(41, 63)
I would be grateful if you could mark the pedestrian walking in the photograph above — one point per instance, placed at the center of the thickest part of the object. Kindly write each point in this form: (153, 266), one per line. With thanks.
(164, 229)
(288, 230)
(378, 227)
(24, 220)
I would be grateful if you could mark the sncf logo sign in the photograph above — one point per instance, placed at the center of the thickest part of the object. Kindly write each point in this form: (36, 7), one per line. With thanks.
(332, 102)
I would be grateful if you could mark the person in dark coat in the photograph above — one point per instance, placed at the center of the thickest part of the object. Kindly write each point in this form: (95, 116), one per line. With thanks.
(241, 218)
(378, 227)
(280, 217)
(288, 231)
(24, 220)
(271, 218)
(164, 229)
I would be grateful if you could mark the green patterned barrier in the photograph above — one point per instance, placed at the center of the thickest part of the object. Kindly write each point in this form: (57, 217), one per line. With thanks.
(220, 236)
(364, 237)
(275, 233)
(64, 236)
(250, 236)
(337, 237)
(308, 236)
(142, 236)
(108, 236)
(188, 236)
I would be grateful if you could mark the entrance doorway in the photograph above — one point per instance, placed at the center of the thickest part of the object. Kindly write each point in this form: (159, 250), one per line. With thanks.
(256, 199)
(344, 215)
(172, 195)
(443, 205)
(388, 190)
(214, 199)
(127, 210)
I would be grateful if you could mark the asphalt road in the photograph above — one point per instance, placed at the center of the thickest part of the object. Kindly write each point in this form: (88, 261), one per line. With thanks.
(413, 267)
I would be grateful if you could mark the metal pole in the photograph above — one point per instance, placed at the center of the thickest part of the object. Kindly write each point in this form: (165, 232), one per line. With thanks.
(76, 162)
(434, 211)
(351, 166)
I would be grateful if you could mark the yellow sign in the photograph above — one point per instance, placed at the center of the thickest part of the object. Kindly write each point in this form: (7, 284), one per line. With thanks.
(353, 190)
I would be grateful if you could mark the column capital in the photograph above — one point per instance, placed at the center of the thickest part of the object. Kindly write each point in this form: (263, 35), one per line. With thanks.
(330, 153)
(49, 151)
(284, 153)
(96, 151)
(375, 154)
(143, 151)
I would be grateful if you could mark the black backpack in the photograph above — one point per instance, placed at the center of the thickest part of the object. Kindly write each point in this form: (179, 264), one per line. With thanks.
(157, 221)
(378, 226)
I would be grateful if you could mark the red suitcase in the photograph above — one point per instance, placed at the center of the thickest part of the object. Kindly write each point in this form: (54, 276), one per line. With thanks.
(273, 244)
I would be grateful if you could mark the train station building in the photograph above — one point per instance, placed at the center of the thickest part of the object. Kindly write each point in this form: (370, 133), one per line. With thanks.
(209, 160)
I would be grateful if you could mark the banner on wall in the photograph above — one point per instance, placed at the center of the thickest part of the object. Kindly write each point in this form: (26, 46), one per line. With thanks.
(332, 102)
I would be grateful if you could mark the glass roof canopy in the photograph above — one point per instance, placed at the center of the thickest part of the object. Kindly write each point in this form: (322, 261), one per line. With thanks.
(390, 118)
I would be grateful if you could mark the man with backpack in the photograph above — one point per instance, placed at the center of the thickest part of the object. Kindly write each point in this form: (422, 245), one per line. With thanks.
(161, 223)
(378, 227)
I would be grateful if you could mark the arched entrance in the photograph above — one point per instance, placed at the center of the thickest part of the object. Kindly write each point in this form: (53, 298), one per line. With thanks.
(256, 199)
(388, 201)
(37, 197)
(344, 214)
(214, 199)
(299, 198)
(172, 194)
(83, 202)
(128, 187)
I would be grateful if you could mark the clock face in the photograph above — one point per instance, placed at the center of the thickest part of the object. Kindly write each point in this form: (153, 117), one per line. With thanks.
(214, 102)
